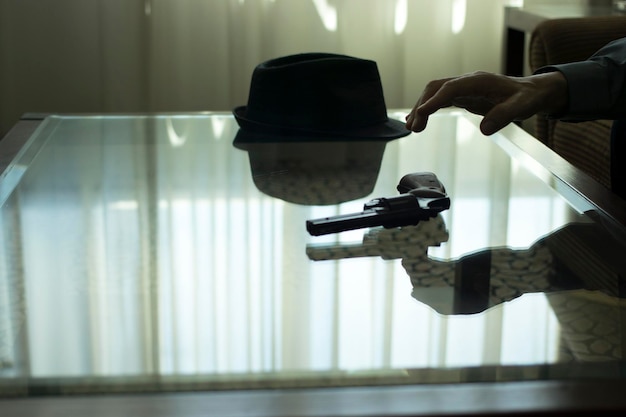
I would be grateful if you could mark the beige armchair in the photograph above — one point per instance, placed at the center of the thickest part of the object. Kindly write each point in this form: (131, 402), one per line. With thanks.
(586, 145)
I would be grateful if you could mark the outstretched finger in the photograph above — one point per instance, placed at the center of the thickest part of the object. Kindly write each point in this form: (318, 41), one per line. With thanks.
(474, 85)
(430, 90)
(415, 120)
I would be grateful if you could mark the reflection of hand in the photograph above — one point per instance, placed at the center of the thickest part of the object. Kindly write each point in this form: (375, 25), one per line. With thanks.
(501, 99)
(482, 279)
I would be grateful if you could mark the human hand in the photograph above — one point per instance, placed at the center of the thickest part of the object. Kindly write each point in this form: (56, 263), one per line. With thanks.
(500, 99)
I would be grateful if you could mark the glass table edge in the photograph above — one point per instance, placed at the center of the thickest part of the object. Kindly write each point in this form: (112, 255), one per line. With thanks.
(580, 190)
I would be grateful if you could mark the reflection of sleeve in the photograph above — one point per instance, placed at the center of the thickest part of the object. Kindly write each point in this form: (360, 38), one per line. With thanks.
(597, 85)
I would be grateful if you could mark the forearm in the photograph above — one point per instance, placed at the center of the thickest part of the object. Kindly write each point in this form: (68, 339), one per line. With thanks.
(596, 88)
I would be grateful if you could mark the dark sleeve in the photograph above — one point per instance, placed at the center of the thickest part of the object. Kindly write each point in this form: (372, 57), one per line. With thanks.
(596, 86)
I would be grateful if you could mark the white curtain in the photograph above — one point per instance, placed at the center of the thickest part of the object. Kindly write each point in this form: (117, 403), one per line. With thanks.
(190, 55)
(203, 52)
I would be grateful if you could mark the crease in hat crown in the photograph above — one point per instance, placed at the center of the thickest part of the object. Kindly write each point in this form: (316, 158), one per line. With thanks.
(320, 94)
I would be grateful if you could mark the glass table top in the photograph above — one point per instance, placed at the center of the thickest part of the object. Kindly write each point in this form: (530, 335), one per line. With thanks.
(166, 253)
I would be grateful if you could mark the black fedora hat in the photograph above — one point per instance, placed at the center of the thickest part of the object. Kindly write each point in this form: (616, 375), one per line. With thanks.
(319, 94)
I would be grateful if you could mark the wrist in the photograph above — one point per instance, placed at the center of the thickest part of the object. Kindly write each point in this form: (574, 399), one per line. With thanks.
(554, 93)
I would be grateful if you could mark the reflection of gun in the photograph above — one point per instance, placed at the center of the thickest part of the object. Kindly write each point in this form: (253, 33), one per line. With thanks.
(580, 268)
(577, 256)
(424, 196)
(466, 285)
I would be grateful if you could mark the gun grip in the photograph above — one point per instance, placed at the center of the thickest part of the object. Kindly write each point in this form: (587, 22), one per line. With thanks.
(422, 184)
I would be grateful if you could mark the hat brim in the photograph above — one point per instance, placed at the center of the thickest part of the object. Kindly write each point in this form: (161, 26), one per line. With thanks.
(246, 138)
(391, 129)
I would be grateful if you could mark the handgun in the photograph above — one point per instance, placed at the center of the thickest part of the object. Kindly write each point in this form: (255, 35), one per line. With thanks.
(422, 197)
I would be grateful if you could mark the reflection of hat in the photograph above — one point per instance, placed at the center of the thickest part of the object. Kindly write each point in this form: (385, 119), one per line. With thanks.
(313, 172)
(318, 94)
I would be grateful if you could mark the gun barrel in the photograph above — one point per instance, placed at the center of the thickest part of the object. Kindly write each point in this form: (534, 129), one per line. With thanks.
(402, 210)
(343, 222)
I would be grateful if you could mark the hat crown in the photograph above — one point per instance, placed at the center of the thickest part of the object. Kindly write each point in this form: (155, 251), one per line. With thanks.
(316, 92)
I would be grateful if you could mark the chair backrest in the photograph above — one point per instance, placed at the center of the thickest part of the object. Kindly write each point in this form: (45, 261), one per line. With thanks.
(559, 41)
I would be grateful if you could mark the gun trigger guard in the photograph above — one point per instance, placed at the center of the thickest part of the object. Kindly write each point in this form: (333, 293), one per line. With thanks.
(375, 203)
(427, 192)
